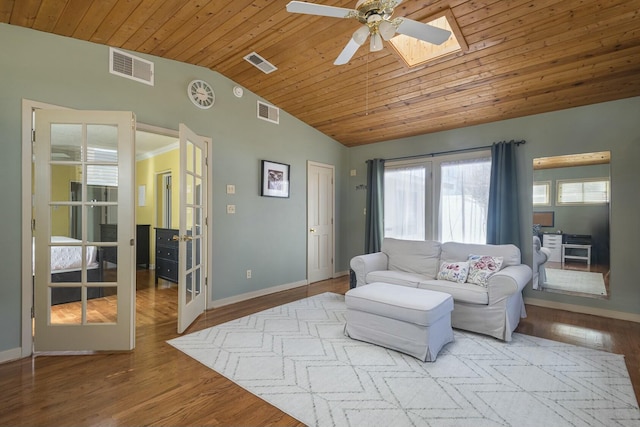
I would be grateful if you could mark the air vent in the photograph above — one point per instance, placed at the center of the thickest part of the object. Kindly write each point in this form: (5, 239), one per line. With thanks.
(268, 112)
(126, 65)
(261, 63)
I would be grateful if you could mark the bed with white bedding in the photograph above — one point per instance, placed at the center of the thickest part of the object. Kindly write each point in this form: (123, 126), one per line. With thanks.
(66, 264)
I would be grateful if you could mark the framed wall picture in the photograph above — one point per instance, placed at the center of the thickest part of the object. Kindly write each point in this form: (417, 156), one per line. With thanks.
(275, 179)
(544, 219)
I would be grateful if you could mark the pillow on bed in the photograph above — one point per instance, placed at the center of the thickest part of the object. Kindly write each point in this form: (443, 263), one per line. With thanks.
(454, 271)
(481, 267)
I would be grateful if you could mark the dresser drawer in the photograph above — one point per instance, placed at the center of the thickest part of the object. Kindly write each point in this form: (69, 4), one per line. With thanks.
(167, 253)
(167, 270)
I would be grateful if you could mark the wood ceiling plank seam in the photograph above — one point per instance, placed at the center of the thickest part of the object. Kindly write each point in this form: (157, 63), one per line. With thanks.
(114, 20)
(174, 34)
(151, 20)
(596, 57)
(213, 30)
(133, 22)
(92, 18)
(547, 102)
(256, 32)
(6, 8)
(506, 14)
(472, 11)
(24, 13)
(511, 50)
(502, 89)
(562, 15)
(71, 17)
(300, 24)
(48, 15)
(372, 124)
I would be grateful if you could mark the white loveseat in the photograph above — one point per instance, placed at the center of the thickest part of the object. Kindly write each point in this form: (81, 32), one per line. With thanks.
(493, 310)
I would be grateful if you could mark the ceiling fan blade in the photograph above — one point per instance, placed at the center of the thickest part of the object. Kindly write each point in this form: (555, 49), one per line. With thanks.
(347, 53)
(318, 9)
(421, 31)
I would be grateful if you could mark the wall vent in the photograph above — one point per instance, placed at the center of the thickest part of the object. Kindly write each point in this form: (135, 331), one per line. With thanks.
(126, 65)
(268, 112)
(261, 63)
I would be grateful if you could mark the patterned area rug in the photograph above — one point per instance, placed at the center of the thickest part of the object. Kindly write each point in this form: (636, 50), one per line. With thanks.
(585, 282)
(297, 358)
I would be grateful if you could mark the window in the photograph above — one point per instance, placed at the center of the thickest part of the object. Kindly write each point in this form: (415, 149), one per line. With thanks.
(452, 189)
(405, 195)
(542, 193)
(583, 192)
(464, 200)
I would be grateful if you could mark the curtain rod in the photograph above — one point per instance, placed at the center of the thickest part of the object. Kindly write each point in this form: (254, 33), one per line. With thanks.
(462, 150)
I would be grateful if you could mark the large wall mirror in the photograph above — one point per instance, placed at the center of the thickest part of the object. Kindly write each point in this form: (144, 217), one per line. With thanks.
(571, 207)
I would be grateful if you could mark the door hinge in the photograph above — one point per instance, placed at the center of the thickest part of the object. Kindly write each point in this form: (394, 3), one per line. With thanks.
(206, 281)
(206, 161)
(33, 313)
(331, 261)
(33, 135)
(33, 225)
(206, 221)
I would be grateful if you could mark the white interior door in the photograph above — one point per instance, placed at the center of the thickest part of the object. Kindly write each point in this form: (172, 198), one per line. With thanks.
(320, 213)
(83, 303)
(193, 227)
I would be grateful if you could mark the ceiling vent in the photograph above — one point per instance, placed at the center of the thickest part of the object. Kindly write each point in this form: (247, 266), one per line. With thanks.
(260, 63)
(126, 65)
(268, 112)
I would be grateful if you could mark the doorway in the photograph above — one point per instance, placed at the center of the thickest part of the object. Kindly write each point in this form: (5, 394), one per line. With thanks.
(142, 202)
(320, 221)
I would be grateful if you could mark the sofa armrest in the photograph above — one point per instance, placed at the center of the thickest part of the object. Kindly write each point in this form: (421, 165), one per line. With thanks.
(364, 264)
(507, 282)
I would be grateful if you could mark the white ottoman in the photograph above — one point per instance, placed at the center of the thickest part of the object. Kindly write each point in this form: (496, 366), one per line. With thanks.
(410, 320)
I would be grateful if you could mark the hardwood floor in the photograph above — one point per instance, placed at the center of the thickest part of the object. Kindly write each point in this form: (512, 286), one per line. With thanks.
(158, 385)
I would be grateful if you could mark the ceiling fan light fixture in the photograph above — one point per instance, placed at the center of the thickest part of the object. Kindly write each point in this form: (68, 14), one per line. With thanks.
(376, 42)
(361, 34)
(387, 30)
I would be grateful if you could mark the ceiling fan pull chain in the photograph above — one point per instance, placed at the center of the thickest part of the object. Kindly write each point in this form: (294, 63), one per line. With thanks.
(366, 108)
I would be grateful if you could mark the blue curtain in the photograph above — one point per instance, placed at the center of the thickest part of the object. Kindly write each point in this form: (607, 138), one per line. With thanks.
(375, 206)
(503, 219)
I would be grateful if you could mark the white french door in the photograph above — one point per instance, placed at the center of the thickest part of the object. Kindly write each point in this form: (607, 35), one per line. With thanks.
(193, 227)
(82, 302)
(320, 213)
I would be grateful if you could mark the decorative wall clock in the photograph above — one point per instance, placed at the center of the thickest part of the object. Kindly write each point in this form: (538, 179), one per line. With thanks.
(201, 94)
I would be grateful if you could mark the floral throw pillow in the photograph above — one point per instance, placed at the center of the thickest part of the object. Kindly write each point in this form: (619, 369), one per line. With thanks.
(481, 267)
(454, 271)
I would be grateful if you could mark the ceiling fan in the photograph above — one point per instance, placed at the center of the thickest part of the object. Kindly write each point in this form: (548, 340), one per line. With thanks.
(375, 15)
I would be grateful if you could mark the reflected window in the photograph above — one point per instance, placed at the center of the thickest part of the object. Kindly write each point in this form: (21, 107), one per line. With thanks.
(542, 193)
(584, 192)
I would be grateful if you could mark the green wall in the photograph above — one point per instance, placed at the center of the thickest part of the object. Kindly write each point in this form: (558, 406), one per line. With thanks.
(266, 235)
(610, 126)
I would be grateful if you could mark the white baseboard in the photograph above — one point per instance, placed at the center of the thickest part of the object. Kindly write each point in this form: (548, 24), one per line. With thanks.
(10, 355)
(620, 315)
(340, 274)
(255, 294)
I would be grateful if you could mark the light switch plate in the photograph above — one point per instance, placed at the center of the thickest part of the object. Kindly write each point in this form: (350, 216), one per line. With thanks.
(231, 209)
(231, 189)
(353, 172)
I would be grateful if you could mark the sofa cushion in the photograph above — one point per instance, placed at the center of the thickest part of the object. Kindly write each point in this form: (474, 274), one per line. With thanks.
(454, 271)
(411, 256)
(481, 267)
(454, 251)
(461, 292)
(396, 278)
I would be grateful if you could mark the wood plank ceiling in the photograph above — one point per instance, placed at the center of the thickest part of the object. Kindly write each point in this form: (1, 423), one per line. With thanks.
(524, 57)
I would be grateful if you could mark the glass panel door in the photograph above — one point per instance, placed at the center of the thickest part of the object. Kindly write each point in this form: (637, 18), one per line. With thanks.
(84, 277)
(193, 246)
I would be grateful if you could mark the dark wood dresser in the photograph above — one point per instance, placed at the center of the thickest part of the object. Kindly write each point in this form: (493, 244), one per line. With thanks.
(166, 254)
(109, 233)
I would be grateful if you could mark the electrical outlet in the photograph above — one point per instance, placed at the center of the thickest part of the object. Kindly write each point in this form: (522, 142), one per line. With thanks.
(231, 209)
(248, 274)
(353, 172)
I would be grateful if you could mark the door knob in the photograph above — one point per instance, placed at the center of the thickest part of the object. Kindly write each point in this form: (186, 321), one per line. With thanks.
(312, 230)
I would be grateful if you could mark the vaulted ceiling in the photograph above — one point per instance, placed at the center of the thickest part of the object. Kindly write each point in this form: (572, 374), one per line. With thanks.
(524, 56)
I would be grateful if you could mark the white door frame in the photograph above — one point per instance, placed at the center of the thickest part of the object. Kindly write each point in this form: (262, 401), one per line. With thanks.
(26, 342)
(311, 163)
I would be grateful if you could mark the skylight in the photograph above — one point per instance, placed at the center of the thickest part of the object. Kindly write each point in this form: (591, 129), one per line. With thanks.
(415, 52)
